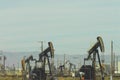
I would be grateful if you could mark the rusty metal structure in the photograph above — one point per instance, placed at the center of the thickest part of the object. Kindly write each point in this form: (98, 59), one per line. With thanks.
(26, 67)
(38, 72)
(92, 54)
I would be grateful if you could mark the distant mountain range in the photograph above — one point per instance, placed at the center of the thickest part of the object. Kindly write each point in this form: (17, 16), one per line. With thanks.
(77, 59)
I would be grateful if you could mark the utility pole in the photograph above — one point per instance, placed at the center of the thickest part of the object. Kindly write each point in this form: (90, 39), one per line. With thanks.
(64, 63)
(4, 58)
(1, 53)
(18, 65)
(111, 60)
(117, 64)
(41, 45)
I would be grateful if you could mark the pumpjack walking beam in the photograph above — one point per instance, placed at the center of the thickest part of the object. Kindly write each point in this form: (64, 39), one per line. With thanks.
(94, 51)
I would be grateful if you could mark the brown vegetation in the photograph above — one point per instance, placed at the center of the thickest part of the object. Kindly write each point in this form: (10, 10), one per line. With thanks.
(60, 78)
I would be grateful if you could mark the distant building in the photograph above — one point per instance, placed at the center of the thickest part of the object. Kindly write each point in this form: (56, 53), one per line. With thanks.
(107, 69)
(117, 68)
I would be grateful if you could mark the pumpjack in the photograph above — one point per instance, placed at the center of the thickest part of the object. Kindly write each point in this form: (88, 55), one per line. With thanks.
(62, 69)
(72, 67)
(90, 73)
(64, 72)
(38, 72)
(26, 67)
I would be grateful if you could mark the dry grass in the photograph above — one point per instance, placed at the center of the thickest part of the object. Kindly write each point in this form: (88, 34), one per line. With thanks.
(98, 78)
(10, 78)
(68, 78)
(60, 78)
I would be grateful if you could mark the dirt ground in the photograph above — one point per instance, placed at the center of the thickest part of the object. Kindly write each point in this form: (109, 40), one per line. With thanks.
(60, 78)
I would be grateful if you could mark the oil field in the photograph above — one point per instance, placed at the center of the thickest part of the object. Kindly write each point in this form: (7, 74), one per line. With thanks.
(59, 40)
(44, 67)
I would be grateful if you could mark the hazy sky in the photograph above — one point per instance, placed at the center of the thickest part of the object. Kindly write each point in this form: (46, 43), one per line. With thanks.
(72, 25)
